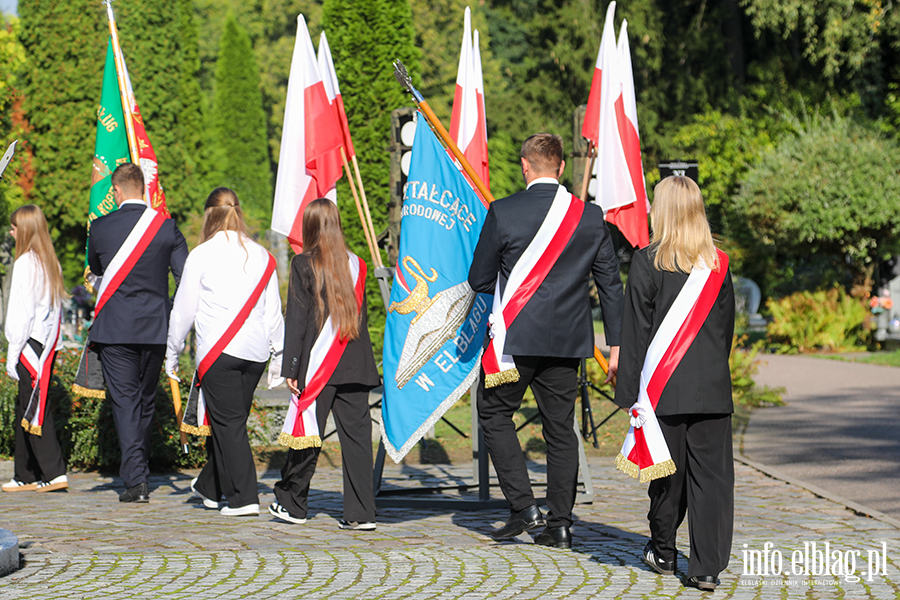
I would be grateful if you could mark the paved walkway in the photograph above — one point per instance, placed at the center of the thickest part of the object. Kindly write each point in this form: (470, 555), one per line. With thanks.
(839, 431)
(85, 544)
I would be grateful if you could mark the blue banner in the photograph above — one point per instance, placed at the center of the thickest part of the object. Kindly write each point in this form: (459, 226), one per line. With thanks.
(435, 323)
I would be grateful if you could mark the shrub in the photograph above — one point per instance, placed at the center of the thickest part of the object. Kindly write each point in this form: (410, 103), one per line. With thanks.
(823, 320)
(744, 364)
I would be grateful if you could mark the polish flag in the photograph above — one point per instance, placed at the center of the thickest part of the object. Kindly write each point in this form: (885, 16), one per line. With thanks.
(146, 155)
(310, 161)
(631, 219)
(329, 78)
(468, 126)
(610, 123)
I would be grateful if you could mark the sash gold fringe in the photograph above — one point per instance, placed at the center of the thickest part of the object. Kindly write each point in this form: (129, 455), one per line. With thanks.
(201, 430)
(647, 474)
(299, 443)
(495, 379)
(88, 392)
(32, 429)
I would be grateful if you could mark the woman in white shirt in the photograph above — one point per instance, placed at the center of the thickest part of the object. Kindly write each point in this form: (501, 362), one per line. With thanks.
(229, 293)
(32, 331)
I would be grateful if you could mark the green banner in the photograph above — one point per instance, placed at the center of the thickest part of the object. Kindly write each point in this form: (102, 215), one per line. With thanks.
(111, 148)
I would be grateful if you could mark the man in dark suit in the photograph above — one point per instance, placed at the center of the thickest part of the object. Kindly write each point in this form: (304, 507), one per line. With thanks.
(130, 330)
(547, 339)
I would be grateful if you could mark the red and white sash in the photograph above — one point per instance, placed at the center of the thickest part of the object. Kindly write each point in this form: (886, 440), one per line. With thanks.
(301, 430)
(127, 256)
(40, 370)
(524, 279)
(196, 418)
(644, 454)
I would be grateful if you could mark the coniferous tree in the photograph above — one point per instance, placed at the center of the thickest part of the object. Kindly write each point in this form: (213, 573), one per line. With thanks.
(365, 36)
(65, 45)
(240, 145)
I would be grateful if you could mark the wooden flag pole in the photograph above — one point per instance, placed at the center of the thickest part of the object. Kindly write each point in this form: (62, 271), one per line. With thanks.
(359, 209)
(365, 202)
(586, 178)
(176, 400)
(123, 93)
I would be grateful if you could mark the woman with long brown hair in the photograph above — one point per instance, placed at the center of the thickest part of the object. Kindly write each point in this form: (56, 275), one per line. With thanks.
(329, 365)
(229, 293)
(673, 369)
(32, 331)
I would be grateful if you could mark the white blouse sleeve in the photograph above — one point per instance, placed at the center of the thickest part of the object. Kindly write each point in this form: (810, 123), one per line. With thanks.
(20, 313)
(184, 309)
(273, 316)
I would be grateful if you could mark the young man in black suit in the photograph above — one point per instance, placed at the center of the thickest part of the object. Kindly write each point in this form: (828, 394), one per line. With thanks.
(130, 330)
(548, 336)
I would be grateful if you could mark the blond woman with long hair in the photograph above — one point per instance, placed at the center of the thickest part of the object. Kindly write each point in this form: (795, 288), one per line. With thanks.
(681, 269)
(229, 294)
(32, 324)
(322, 288)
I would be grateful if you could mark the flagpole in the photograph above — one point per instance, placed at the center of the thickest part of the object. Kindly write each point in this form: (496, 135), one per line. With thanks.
(586, 178)
(123, 93)
(359, 209)
(365, 204)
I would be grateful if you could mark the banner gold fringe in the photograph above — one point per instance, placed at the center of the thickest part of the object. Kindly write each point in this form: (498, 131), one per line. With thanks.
(495, 379)
(32, 429)
(647, 474)
(299, 443)
(202, 430)
(87, 392)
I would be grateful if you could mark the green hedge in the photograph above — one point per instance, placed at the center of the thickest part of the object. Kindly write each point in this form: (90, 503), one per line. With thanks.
(829, 320)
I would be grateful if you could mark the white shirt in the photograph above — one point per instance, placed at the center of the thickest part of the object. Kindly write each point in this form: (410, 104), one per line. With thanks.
(552, 180)
(219, 276)
(30, 313)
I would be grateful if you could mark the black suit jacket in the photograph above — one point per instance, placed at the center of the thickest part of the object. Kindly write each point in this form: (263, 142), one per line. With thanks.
(138, 312)
(357, 364)
(701, 382)
(557, 320)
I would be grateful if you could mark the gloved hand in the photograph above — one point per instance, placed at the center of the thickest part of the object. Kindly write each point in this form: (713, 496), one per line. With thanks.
(274, 376)
(11, 370)
(638, 414)
(172, 367)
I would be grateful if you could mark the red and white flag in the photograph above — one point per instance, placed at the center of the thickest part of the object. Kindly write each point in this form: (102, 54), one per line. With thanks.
(310, 159)
(146, 155)
(610, 123)
(468, 125)
(333, 91)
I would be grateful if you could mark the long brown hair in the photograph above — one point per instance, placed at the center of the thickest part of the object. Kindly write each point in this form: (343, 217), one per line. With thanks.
(323, 241)
(222, 212)
(32, 234)
(681, 236)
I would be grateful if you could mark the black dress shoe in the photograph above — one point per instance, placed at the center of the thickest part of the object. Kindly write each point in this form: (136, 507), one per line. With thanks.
(652, 560)
(138, 493)
(555, 537)
(704, 582)
(519, 522)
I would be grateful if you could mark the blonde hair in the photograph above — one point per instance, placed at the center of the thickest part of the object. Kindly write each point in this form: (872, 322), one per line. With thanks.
(223, 213)
(681, 239)
(33, 235)
(323, 241)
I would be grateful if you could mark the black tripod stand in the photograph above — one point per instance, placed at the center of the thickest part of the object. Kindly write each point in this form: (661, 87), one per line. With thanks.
(588, 429)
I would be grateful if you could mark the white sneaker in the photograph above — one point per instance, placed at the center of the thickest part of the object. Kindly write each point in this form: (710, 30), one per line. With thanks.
(14, 485)
(57, 483)
(357, 525)
(280, 512)
(250, 510)
(206, 501)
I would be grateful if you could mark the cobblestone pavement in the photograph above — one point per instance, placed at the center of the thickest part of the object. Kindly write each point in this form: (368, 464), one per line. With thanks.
(85, 544)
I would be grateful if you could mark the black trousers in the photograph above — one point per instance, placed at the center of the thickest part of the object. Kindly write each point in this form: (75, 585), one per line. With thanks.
(132, 374)
(702, 486)
(554, 382)
(350, 404)
(230, 471)
(38, 457)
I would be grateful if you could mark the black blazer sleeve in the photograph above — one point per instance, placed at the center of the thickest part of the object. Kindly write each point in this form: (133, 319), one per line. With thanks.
(486, 259)
(179, 254)
(299, 313)
(637, 328)
(605, 270)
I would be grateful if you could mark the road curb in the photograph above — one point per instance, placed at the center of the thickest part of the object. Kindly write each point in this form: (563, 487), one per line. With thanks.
(856, 507)
(9, 552)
